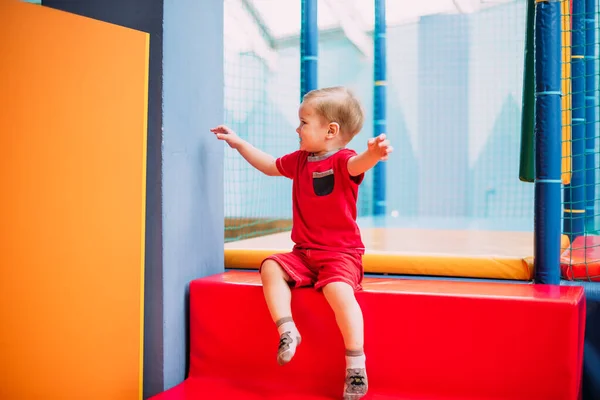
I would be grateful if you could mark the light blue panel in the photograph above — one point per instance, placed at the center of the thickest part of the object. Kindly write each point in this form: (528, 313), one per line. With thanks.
(402, 119)
(356, 73)
(263, 111)
(495, 192)
(192, 163)
(443, 115)
(454, 87)
(403, 167)
(495, 92)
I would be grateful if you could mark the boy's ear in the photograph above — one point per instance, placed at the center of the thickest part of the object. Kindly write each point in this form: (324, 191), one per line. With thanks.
(333, 130)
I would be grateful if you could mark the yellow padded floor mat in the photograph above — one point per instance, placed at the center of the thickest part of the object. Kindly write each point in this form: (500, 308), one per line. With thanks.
(455, 253)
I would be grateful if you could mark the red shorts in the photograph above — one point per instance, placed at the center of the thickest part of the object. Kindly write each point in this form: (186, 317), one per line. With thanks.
(319, 267)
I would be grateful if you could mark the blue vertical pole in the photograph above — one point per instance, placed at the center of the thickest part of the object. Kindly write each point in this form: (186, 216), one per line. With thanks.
(379, 104)
(574, 194)
(547, 131)
(309, 47)
(590, 110)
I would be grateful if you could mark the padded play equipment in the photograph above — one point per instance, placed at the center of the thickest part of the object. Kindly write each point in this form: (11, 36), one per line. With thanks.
(73, 172)
(424, 340)
(415, 251)
(581, 261)
(425, 252)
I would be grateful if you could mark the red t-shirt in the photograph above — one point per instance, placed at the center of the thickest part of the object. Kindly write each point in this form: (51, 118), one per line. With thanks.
(324, 200)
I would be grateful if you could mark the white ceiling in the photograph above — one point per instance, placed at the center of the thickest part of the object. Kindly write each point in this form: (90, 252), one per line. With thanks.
(257, 25)
(282, 17)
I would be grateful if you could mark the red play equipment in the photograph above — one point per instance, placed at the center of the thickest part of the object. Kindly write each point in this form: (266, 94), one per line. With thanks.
(424, 339)
(581, 260)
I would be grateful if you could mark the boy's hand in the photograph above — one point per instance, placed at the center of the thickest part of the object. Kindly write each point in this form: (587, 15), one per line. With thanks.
(379, 147)
(227, 134)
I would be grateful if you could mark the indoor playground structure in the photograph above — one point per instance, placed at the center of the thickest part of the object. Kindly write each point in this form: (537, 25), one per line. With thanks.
(131, 239)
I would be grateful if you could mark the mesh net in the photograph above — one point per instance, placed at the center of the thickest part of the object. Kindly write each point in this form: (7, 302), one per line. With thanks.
(580, 130)
(261, 97)
(453, 115)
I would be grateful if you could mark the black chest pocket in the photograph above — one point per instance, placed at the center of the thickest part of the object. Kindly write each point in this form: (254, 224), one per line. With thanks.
(323, 182)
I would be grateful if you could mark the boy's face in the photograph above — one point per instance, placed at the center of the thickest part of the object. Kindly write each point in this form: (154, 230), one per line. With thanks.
(312, 130)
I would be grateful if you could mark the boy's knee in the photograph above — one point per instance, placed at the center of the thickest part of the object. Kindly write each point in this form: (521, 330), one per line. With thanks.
(271, 269)
(339, 293)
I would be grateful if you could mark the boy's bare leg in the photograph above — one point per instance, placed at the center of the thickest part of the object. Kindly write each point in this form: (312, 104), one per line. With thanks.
(279, 298)
(349, 318)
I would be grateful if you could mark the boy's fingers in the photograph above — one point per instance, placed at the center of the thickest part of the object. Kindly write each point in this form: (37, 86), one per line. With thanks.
(220, 128)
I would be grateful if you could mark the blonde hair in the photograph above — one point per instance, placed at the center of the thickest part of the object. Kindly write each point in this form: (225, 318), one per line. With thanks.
(338, 104)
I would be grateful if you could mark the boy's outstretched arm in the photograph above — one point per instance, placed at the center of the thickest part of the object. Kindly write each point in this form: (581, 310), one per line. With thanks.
(260, 160)
(378, 150)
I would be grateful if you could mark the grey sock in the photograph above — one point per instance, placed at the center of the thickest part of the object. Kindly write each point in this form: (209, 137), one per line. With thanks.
(356, 384)
(289, 339)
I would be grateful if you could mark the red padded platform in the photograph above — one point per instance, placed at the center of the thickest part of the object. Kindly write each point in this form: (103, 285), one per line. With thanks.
(424, 340)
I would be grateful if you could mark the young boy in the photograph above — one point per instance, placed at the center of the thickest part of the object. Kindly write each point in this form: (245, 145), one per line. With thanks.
(328, 247)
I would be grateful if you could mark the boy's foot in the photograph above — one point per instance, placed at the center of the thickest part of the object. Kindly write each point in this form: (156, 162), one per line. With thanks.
(356, 385)
(289, 340)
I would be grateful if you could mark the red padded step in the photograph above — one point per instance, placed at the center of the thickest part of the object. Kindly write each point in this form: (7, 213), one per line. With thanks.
(427, 339)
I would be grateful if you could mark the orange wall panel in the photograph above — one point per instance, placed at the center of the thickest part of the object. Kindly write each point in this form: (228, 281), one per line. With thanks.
(73, 105)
